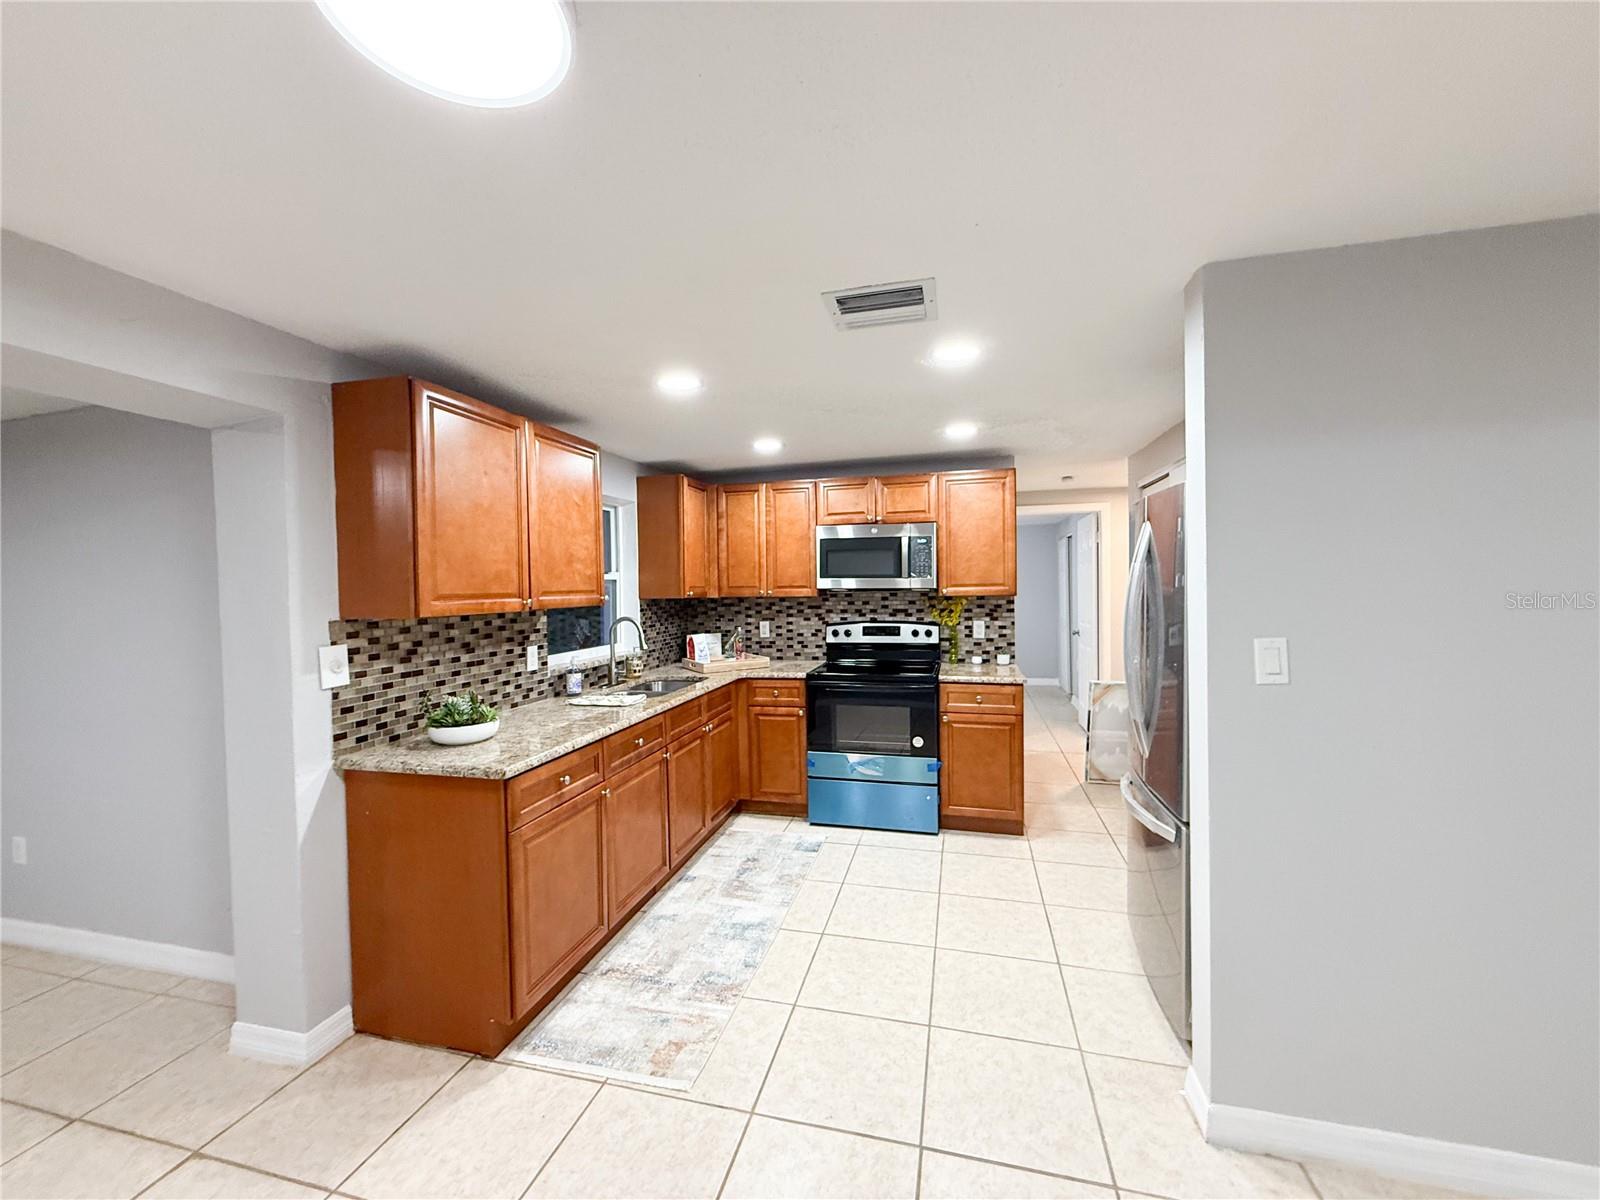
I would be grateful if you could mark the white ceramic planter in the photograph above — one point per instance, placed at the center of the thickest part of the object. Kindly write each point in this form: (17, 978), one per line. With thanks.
(464, 735)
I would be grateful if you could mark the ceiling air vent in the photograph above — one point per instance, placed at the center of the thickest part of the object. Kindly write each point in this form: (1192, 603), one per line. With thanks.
(882, 304)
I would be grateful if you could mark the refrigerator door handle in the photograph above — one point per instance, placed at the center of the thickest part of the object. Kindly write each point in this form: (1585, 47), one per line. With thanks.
(1157, 652)
(1164, 830)
(1130, 640)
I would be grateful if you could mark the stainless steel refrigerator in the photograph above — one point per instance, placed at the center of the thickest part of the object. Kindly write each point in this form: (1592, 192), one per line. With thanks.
(1155, 790)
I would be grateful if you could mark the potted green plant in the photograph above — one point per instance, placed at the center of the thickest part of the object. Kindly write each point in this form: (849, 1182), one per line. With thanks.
(947, 610)
(462, 720)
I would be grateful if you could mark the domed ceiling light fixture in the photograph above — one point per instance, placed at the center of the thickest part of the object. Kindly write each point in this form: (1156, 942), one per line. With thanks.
(487, 53)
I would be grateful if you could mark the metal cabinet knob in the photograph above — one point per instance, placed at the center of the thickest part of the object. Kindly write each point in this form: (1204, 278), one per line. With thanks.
(774, 691)
(566, 779)
(638, 741)
(666, 754)
(979, 699)
(605, 791)
(945, 718)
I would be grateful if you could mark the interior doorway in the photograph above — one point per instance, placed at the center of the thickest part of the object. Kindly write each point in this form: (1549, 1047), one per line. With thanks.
(1078, 558)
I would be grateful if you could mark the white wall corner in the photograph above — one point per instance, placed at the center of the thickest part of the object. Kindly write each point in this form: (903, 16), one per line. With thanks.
(1476, 1169)
(288, 1048)
(124, 951)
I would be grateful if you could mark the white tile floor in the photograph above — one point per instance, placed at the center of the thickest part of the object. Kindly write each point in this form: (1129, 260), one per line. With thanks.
(952, 1016)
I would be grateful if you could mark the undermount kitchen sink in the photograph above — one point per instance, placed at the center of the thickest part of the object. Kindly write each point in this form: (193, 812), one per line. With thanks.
(658, 687)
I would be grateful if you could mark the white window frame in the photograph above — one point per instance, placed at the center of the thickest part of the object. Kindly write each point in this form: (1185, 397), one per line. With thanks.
(620, 515)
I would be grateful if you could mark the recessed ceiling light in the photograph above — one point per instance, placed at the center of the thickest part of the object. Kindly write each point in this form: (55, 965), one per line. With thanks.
(960, 431)
(954, 355)
(488, 53)
(678, 383)
(766, 445)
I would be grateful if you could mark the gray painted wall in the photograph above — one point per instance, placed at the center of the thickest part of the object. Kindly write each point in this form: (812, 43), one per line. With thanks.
(1038, 590)
(112, 649)
(1403, 892)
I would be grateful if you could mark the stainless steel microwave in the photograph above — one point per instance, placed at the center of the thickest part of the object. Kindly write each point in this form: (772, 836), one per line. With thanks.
(877, 556)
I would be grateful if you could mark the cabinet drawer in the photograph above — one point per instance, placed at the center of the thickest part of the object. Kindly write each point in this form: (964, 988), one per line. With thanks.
(536, 792)
(632, 744)
(685, 718)
(779, 692)
(980, 697)
(719, 701)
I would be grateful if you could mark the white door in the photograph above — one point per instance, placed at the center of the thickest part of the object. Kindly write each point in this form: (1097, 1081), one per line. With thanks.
(1066, 660)
(1085, 634)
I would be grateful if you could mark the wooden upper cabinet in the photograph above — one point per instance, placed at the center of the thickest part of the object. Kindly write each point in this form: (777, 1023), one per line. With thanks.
(904, 499)
(791, 539)
(847, 501)
(677, 543)
(741, 539)
(978, 533)
(430, 500)
(885, 500)
(565, 564)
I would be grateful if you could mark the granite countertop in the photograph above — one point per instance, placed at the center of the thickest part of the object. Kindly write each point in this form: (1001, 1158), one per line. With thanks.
(544, 730)
(981, 673)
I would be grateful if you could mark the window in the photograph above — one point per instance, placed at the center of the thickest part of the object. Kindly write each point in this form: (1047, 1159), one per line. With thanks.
(578, 635)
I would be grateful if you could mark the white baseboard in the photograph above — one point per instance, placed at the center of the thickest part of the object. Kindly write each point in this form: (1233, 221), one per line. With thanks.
(1451, 1165)
(264, 1043)
(124, 951)
(1037, 681)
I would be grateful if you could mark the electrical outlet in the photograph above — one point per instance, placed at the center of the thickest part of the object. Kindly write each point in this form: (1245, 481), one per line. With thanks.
(766, 629)
(533, 658)
(980, 627)
(19, 851)
(333, 667)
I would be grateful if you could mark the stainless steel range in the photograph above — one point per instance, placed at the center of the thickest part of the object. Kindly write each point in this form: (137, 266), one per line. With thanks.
(872, 727)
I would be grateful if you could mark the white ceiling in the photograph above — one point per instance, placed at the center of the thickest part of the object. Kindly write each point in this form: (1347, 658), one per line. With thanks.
(707, 170)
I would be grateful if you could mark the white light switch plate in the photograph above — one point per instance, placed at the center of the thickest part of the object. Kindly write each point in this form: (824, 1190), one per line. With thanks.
(333, 666)
(766, 629)
(533, 658)
(19, 851)
(1272, 660)
(979, 628)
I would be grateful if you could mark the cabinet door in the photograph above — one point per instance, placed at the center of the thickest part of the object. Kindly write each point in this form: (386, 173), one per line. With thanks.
(688, 780)
(907, 498)
(981, 766)
(558, 896)
(636, 835)
(847, 501)
(565, 565)
(699, 538)
(978, 533)
(791, 550)
(778, 754)
(722, 745)
(740, 533)
(472, 546)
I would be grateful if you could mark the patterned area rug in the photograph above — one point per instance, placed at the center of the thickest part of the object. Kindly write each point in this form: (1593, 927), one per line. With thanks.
(651, 1008)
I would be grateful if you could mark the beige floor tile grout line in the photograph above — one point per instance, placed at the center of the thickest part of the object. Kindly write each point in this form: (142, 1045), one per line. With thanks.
(562, 1141)
(411, 1116)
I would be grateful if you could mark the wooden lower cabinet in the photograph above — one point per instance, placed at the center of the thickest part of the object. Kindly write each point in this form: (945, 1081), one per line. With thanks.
(637, 853)
(473, 902)
(777, 754)
(722, 749)
(556, 874)
(688, 793)
(980, 777)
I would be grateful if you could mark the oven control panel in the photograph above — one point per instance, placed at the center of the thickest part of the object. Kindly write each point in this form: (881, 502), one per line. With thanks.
(884, 633)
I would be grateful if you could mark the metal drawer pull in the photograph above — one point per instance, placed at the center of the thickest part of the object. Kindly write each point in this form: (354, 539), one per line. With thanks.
(638, 741)
(774, 691)
(605, 791)
(979, 699)
(945, 718)
(566, 779)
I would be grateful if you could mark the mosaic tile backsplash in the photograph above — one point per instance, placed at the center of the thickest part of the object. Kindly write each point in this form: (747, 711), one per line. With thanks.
(394, 665)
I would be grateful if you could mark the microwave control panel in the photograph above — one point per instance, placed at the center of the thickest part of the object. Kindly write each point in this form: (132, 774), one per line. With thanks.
(919, 556)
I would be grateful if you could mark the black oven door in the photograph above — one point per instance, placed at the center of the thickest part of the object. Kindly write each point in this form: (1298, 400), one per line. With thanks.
(842, 561)
(861, 717)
